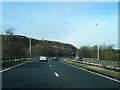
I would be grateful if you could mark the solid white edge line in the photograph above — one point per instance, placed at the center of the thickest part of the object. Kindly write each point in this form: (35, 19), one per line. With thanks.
(93, 72)
(56, 74)
(14, 66)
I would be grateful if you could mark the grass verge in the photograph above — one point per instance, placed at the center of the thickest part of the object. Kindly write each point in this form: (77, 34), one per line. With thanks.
(110, 73)
(10, 63)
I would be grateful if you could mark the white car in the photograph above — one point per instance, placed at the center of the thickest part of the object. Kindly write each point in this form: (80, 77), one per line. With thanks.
(43, 58)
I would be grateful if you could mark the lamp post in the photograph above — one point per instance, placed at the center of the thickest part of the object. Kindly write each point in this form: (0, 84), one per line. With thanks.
(91, 52)
(77, 56)
(98, 56)
(30, 46)
(30, 41)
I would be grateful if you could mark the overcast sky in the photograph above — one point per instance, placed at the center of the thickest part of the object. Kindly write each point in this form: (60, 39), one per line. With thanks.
(69, 22)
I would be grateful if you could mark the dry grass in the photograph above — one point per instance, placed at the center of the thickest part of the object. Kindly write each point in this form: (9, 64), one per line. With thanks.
(7, 63)
(101, 70)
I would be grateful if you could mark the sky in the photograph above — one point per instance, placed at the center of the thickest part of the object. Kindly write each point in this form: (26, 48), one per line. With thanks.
(68, 22)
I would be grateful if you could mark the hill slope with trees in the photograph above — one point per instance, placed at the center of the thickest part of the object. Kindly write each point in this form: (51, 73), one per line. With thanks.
(14, 46)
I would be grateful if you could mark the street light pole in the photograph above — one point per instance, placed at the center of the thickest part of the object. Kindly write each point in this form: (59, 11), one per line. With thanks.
(30, 46)
(77, 56)
(98, 47)
(30, 41)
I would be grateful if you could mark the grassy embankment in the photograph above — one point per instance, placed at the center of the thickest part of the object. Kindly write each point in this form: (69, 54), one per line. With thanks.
(10, 63)
(102, 70)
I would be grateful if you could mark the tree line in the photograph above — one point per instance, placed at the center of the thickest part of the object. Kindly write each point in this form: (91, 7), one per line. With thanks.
(106, 52)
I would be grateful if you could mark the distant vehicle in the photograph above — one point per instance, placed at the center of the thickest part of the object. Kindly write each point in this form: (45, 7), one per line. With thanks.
(55, 58)
(43, 58)
(80, 59)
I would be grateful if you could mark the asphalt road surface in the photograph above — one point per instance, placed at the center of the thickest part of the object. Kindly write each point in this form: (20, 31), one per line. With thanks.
(53, 74)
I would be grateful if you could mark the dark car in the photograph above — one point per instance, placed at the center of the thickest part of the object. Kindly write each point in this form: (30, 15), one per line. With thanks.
(80, 59)
(55, 58)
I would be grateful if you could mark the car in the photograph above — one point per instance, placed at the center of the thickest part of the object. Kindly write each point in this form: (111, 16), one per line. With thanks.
(80, 59)
(55, 58)
(43, 58)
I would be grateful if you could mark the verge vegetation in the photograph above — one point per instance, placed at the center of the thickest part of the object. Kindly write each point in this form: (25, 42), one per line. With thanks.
(102, 70)
(107, 52)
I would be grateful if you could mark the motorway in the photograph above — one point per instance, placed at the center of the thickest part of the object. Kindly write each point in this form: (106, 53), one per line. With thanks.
(53, 74)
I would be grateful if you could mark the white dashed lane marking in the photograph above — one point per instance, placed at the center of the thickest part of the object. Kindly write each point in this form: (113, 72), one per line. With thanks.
(50, 65)
(56, 74)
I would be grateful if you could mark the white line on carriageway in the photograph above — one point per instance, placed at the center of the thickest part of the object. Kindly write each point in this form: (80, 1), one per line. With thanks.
(56, 74)
(15, 66)
(50, 65)
(93, 72)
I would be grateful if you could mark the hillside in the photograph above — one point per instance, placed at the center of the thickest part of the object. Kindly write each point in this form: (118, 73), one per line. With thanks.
(19, 46)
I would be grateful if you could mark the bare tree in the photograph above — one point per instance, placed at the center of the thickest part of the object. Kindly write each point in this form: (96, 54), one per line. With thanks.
(10, 30)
